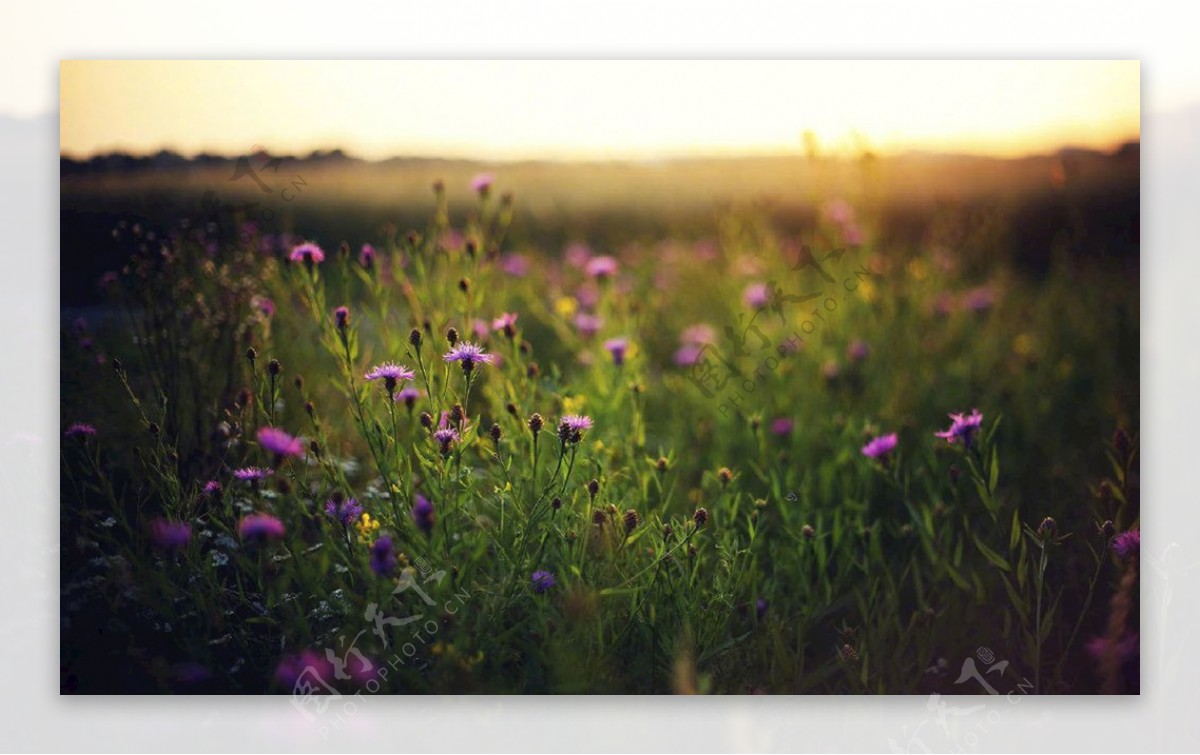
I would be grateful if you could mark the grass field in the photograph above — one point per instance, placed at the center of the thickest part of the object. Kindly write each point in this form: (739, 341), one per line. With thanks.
(698, 454)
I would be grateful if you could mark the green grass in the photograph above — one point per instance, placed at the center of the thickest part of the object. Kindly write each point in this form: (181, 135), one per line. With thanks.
(870, 571)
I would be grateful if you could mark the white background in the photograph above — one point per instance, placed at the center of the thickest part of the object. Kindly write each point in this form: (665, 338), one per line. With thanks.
(37, 36)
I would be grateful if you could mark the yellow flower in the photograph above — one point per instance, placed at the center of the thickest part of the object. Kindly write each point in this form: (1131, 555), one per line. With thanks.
(566, 306)
(573, 404)
(866, 289)
(367, 527)
(1023, 345)
(917, 268)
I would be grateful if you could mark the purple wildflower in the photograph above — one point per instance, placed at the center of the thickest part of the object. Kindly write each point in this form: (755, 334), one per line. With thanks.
(266, 306)
(617, 347)
(578, 254)
(542, 581)
(391, 374)
(80, 430)
(516, 265)
(213, 488)
(170, 536)
(757, 295)
(423, 515)
(293, 667)
(307, 252)
(979, 299)
(572, 427)
(260, 528)
(963, 428)
(280, 443)
(482, 182)
(858, 351)
(383, 559)
(881, 446)
(347, 512)
(688, 356)
(506, 322)
(1127, 544)
(341, 317)
(468, 354)
(366, 256)
(252, 474)
(408, 395)
(588, 324)
(782, 426)
(760, 607)
(699, 334)
(1126, 648)
(445, 437)
(601, 267)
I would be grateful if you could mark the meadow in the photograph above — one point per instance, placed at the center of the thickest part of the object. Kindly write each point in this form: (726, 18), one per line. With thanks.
(772, 425)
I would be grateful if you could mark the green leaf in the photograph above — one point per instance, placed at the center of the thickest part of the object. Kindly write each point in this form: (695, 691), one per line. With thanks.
(1015, 536)
(991, 555)
(994, 474)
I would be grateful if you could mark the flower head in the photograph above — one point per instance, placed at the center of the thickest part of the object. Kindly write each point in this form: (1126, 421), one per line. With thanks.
(572, 427)
(252, 474)
(757, 295)
(507, 323)
(423, 514)
(1127, 544)
(468, 355)
(858, 351)
(542, 581)
(307, 252)
(782, 426)
(170, 536)
(481, 182)
(260, 528)
(408, 395)
(963, 428)
(280, 443)
(383, 559)
(213, 488)
(601, 267)
(617, 347)
(588, 324)
(391, 374)
(366, 256)
(346, 512)
(80, 430)
(880, 447)
(341, 317)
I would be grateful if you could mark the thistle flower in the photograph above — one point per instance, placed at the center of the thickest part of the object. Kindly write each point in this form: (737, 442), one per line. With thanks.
(881, 446)
(468, 355)
(757, 295)
(80, 430)
(542, 581)
(700, 517)
(408, 395)
(507, 323)
(963, 428)
(260, 528)
(536, 423)
(308, 253)
(170, 536)
(1048, 528)
(341, 318)
(391, 374)
(724, 475)
(587, 324)
(280, 443)
(782, 426)
(213, 488)
(1127, 544)
(366, 256)
(572, 427)
(383, 559)
(252, 474)
(345, 512)
(423, 514)
(482, 183)
(617, 347)
(858, 351)
(601, 267)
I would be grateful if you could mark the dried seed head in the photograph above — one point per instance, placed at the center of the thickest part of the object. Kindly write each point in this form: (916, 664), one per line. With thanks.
(536, 423)
(452, 336)
(632, 520)
(668, 532)
(599, 517)
(1048, 528)
(556, 504)
(532, 370)
(593, 487)
(457, 414)
(308, 408)
(511, 408)
(251, 355)
(414, 337)
(724, 475)
(315, 448)
(274, 368)
(808, 532)
(495, 432)
(700, 517)
(464, 285)
(662, 465)
(426, 420)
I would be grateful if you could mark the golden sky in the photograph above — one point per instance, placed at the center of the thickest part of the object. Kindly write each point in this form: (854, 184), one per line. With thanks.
(595, 109)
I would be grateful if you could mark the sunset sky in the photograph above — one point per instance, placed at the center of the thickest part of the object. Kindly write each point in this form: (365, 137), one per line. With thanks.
(595, 109)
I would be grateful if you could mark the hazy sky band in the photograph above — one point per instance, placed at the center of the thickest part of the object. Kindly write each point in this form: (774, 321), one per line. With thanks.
(595, 109)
